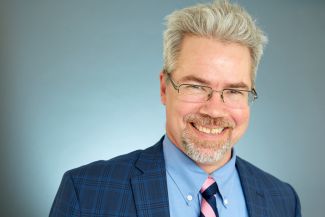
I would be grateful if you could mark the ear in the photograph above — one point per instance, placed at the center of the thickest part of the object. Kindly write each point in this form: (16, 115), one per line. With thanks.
(162, 88)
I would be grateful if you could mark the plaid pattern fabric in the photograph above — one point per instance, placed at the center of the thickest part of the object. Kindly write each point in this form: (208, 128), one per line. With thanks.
(130, 185)
(135, 185)
(265, 195)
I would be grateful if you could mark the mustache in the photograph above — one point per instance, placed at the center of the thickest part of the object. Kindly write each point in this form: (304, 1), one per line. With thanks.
(206, 120)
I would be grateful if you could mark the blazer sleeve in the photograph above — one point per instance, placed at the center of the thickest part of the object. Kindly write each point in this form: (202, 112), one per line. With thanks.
(66, 202)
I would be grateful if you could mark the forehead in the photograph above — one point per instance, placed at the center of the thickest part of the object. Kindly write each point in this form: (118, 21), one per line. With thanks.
(214, 61)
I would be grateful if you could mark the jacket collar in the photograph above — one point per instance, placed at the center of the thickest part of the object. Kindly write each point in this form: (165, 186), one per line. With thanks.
(253, 191)
(149, 186)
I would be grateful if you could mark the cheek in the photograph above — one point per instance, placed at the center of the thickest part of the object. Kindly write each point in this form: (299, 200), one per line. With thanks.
(174, 113)
(177, 110)
(181, 110)
(241, 117)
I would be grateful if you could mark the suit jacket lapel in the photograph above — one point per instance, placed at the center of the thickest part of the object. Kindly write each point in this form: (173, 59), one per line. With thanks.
(254, 194)
(149, 186)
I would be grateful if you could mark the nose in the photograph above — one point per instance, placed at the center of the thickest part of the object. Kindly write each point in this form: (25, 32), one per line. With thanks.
(218, 93)
(215, 106)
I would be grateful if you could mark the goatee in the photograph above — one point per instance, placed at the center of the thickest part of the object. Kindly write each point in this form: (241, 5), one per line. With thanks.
(206, 151)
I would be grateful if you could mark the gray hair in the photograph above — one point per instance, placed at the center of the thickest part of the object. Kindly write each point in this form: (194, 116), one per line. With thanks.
(220, 20)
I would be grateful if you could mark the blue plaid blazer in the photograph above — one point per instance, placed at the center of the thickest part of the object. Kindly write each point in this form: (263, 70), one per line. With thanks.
(135, 185)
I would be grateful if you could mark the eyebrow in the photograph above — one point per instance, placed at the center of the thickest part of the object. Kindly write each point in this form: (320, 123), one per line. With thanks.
(192, 78)
(240, 85)
(189, 78)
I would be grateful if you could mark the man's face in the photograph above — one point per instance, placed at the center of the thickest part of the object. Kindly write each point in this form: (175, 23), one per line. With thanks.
(206, 131)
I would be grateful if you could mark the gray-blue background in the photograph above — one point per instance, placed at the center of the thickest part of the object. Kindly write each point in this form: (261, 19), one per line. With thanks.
(79, 82)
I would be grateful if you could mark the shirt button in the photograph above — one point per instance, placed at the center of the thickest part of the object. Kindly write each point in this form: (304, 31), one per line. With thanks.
(189, 197)
(225, 201)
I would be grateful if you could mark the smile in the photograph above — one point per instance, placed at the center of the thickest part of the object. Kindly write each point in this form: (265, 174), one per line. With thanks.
(214, 131)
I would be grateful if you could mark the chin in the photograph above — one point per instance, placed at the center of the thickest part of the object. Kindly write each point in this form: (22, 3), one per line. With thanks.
(205, 152)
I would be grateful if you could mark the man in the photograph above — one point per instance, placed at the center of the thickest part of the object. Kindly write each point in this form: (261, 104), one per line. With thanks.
(211, 54)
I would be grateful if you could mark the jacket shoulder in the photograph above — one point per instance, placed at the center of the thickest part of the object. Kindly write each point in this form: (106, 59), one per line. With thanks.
(106, 168)
(122, 166)
(102, 186)
(86, 190)
(279, 195)
(247, 169)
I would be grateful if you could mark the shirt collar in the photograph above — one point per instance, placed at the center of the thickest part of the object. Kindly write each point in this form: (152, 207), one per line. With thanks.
(189, 177)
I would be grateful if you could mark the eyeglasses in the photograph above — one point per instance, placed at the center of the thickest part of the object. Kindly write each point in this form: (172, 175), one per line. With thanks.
(235, 98)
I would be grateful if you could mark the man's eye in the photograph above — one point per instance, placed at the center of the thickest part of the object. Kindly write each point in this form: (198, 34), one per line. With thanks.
(234, 92)
(196, 86)
(192, 87)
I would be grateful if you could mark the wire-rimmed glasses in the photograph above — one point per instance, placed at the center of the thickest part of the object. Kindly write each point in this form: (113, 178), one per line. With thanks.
(232, 97)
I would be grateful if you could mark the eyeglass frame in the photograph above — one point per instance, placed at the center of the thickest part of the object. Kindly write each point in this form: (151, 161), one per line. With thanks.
(210, 94)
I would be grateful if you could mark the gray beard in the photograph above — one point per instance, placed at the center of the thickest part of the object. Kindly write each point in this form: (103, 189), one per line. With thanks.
(205, 153)
(213, 156)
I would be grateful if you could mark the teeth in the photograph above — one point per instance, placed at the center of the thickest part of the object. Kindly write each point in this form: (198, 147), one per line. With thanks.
(209, 130)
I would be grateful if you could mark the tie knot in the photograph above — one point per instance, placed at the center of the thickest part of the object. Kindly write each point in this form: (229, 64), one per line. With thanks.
(209, 188)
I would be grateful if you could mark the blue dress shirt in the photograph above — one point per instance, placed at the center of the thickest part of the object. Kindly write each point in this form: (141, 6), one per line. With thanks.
(185, 179)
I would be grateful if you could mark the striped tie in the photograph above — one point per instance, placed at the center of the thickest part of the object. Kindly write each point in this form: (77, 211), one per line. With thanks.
(208, 202)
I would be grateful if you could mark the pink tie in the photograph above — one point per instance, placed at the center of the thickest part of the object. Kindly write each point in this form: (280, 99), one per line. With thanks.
(208, 202)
